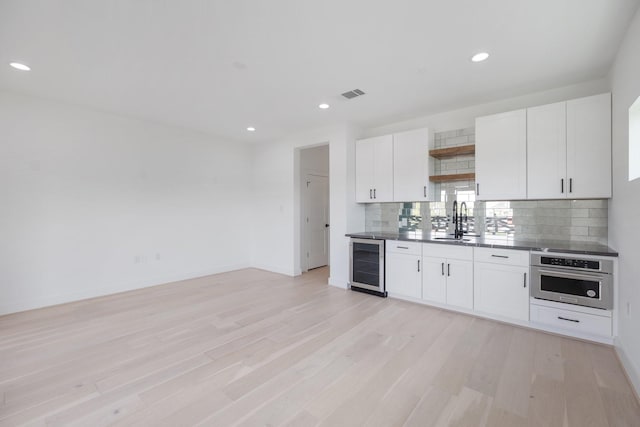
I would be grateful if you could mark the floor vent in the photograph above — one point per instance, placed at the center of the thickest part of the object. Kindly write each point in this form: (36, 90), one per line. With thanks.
(353, 93)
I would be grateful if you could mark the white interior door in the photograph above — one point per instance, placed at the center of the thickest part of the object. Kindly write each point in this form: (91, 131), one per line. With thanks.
(317, 221)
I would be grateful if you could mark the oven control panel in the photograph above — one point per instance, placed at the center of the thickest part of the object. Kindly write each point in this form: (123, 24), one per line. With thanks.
(586, 264)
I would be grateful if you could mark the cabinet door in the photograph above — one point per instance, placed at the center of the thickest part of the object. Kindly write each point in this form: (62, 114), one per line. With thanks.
(434, 279)
(411, 166)
(404, 275)
(502, 290)
(501, 156)
(547, 152)
(383, 169)
(364, 170)
(460, 283)
(589, 147)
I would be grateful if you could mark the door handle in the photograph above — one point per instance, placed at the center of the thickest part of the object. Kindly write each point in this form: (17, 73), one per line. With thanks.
(500, 256)
(374, 193)
(525, 280)
(568, 320)
(562, 185)
(326, 225)
(425, 191)
(418, 265)
(448, 269)
(370, 193)
(477, 189)
(443, 268)
(570, 185)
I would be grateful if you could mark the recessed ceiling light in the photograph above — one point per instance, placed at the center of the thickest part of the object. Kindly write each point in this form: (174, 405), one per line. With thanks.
(251, 129)
(479, 57)
(323, 106)
(19, 66)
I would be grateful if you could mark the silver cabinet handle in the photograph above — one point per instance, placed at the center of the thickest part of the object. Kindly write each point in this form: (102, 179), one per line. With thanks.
(499, 256)
(477, 189)
(425, 191)
(402, 247)
(370, 193)
(562, 185)
(569, 320)
(443, 268)
(418, 265)
(570, 185)
(448, 269)
(374, 193)
(525, 281)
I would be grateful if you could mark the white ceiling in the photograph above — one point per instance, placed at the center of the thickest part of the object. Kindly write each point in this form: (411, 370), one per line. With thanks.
(221, 65)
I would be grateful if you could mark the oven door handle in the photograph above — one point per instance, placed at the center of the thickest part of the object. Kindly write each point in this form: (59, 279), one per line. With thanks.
(561, 274)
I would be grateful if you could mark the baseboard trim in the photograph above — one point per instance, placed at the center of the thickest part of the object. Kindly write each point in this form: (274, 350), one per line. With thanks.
(51, 300)
(632, 372)
(275, 269)
(337, 284)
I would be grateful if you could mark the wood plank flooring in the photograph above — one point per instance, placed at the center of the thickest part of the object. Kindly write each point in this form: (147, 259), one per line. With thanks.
(252, 348)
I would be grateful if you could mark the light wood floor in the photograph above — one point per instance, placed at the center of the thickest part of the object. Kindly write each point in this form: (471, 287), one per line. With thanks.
(254, 348)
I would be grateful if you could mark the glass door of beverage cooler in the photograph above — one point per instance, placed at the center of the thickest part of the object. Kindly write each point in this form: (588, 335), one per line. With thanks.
(367, 265)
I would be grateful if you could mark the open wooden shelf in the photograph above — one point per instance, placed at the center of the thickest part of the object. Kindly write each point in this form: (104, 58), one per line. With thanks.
(453, 177)
(443, 153)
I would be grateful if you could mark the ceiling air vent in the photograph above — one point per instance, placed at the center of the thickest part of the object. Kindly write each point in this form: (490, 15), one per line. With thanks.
(353, 93)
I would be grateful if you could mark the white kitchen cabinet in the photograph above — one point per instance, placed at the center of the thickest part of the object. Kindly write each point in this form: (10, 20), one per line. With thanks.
(448, 275)
(374, 169)
(547, 152)
(404, 269)
(589, 147)
(501, 286)
(569, 149)
(501, 156)
(411, 166)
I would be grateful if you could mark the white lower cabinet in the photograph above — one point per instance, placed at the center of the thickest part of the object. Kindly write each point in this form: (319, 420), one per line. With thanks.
(403, 268)
(449, 279)
(501, 287)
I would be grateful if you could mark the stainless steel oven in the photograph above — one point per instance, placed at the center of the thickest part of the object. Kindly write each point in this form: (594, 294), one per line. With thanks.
(572, 280)
(366, 266)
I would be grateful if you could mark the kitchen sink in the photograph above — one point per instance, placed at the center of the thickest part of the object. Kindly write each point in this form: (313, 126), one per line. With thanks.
(452, 239)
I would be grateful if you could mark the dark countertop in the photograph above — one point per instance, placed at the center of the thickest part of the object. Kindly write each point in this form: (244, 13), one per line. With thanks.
(585, 248)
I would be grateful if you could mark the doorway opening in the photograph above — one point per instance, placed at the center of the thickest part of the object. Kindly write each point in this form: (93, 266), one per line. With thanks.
(314, 209)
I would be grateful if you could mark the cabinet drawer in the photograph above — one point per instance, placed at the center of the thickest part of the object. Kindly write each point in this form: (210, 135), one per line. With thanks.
(443, 250)
(571, 320)
(401, 247)
(502, 256)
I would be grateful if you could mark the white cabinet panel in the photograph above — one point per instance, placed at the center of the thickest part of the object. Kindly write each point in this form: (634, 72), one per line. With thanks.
(460, 283)
(502, 290)
(448, 280)
(411, 163)
(434, 279)
(404, 275)
(501, 156)
(546, 152)
(589, 146)
(374, 169)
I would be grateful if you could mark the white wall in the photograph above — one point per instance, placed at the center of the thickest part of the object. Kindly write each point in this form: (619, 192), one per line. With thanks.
(465, 117)
(93, 203)
(624, 207)
(276, 234)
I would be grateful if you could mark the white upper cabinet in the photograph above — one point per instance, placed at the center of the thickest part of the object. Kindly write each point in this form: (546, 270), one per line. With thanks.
(501, 156)
(546, 152)
(569, 149)
(589, 147)
(411, 166)
(374, 169)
